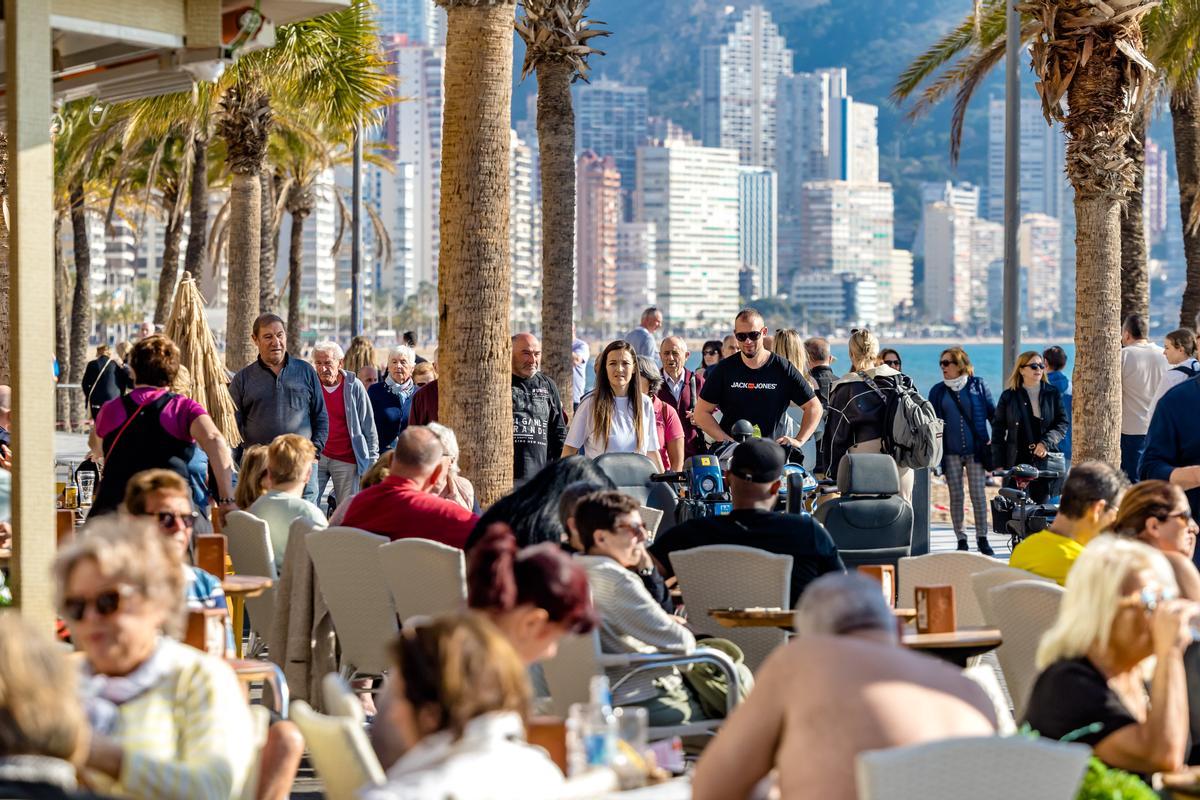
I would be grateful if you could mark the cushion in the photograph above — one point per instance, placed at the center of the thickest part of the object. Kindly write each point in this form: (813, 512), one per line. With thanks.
(868, 473)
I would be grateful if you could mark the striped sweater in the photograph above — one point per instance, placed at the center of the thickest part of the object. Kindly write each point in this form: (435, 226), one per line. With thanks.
(189, 738)
(631, 622)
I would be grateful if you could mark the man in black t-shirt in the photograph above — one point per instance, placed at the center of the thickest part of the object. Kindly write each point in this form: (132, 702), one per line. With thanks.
(757, 386)
(755, 474)
(539, 424)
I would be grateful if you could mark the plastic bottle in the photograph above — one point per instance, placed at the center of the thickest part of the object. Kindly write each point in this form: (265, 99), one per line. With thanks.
(593, 730)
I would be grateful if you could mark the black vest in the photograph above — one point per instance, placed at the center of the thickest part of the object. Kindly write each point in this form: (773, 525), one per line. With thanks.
(144, 445)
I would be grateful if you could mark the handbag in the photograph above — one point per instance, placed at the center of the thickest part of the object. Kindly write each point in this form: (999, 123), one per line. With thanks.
(1056, 462)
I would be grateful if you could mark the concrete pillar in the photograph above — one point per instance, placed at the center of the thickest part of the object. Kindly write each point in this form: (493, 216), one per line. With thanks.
(31, 306)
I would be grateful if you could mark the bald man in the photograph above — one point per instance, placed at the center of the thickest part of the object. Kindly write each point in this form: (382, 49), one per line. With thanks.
(539, 424)
(681, 389)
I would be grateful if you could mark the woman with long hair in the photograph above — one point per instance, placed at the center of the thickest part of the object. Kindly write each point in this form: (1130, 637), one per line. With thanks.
(361, 354)
(1030, 422)
(617, 417)
(1157, 513)
(710, 354)
(964, 403)
(789, 345)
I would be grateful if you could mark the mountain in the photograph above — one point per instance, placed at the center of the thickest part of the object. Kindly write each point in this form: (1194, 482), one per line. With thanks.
(656, 43)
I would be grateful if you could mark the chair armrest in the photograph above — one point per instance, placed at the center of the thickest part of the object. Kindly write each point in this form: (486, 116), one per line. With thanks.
(640, 662)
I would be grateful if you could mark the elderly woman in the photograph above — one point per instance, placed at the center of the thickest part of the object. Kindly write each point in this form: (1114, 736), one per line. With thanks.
(168, 721)
(1120, 608)
(1157, 513)
(391, 398)
(454, 487)
(154, 428)
(461, 697)
(43, 734)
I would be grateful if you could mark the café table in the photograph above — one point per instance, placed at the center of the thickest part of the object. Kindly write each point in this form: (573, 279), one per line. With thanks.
(956, 647)
(777, 617)
(237, 588)
(251, 671)
(677, 789)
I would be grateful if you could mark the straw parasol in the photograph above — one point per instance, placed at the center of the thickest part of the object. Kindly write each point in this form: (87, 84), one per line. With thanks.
(188, 328)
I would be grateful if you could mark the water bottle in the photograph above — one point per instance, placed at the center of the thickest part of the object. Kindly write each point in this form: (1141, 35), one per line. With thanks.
(592, 730)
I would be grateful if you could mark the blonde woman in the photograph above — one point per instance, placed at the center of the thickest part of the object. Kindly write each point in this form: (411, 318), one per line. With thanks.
(789, 345)
(253, 480)
(857, 412)
(616, 417)
(1030, 421)
(361, 354)
(1119, 609)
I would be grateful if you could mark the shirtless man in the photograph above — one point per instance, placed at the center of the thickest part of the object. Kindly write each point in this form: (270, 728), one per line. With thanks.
(844, 686)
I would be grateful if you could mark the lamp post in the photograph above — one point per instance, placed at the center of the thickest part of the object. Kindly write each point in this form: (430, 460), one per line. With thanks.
(1012, 189)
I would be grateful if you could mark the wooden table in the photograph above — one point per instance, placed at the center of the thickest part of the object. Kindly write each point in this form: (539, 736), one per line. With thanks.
(237, 588)
(251, 671)
(776, 617)
(955, 647)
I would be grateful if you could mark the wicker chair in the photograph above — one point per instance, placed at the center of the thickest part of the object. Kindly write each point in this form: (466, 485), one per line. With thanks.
(424, 577)
(938, 569)
(729, 576)
(1024, 611)
(984, 582)
(981, 768)
(251, 552)
(339, 751)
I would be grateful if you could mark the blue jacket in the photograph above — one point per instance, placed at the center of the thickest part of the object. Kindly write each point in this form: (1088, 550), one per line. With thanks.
(1061, 381)
(360, 422)
(973, 437)
(391, 413)
(1174, 438)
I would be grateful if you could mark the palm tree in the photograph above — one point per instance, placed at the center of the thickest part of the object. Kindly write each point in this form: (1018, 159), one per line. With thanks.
(4, 372)
(1135, 270)
(1089, 55)
(474, 357)
(556, 35)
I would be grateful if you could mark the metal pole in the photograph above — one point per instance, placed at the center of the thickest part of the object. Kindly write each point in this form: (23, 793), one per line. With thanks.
(1012, 189)
(356, 238)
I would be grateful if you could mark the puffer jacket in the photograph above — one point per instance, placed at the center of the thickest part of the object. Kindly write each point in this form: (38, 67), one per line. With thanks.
(972, 438)
(856, 413)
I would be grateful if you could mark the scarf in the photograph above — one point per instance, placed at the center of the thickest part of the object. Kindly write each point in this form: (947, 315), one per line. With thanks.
(956, 384)
(38, 769)
(103, 695)
(403, 391)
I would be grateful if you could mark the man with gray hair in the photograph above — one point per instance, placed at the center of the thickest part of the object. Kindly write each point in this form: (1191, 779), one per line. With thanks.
(847, 664)
(403, 506)
(352, 446)
(391, 398)
(642, 337)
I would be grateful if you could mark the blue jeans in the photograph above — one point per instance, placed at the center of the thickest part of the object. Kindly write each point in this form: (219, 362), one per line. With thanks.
(1131, 454)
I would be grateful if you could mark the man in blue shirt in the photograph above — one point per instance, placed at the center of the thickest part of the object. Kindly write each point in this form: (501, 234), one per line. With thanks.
(1172, 451)
(642, 337)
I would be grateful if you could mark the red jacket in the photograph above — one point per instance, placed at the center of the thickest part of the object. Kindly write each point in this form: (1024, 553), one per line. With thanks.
(693, 439)
(424, 405)
(396, 509)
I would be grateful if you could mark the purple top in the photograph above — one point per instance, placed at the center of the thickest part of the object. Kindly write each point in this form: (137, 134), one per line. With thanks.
(176, 419)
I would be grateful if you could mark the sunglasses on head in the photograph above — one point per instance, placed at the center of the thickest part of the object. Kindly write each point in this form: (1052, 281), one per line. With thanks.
(105, 603)
(752, 336)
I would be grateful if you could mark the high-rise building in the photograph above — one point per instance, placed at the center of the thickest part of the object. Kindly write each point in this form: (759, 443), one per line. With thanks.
(758, 228)
(738, 79)
(1154, 193)
(1040, 248)
(318, 263)
(987, 250)
(636, 272)
(661, 129)
(597, 214)
(412, 134)
(1176, 267)
(421, 21)
(832, 299)
(392, 193)
(1044, 186)
(524, 239)
(610, 120)
(901, 280)
(847, 228)
(947, 251)
(823, 134)
(691, 195)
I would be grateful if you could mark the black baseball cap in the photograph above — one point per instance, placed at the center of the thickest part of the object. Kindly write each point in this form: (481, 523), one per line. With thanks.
(757, 461)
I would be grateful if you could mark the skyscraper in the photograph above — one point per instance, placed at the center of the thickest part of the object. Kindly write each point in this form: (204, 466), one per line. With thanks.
(1155, 191)
(758, 227)
(524, 238)
(318, 264)
(738, 80)
(1040, 248)
(392, 193)
(637, 282)
(412, 133)
(597, 215)
(963, 196)
(958, 248)
(1044, 186)
(420, 20)
(691, 195)
(610, 120)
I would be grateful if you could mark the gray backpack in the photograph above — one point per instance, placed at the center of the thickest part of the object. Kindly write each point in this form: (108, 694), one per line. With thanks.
(912, 431)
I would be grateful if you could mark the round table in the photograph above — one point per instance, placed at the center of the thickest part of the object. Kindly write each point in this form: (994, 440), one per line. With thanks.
(777, 617)
(237, 588)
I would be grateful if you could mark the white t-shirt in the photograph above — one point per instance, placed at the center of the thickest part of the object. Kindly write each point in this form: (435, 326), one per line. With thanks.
(1172, 378)
(621, 435)
(1142, 368)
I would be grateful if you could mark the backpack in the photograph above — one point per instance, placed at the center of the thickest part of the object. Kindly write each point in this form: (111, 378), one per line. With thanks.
(912, 432)
(1189, 372)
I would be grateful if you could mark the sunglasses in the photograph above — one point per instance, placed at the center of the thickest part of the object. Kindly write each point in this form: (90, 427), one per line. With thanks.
(1149, 598)
(894, 363)
(1186, 516)
(712, 352)
(946, 363)
(168, 519)
(633, 530)
(1035, 366)
(105, 603)
(752, 336)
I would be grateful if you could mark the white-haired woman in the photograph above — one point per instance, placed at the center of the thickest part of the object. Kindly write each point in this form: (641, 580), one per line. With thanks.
(857, 412)
(454, 487)
(391, 398)
(167, 721)
(1120, 608)
(352, 446)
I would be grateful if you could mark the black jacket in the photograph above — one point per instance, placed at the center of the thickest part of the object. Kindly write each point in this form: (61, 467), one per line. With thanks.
(1015, 429)
(104, 380)
(856, 413)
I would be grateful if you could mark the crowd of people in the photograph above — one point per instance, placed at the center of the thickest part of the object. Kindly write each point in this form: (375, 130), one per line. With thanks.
(351, 438)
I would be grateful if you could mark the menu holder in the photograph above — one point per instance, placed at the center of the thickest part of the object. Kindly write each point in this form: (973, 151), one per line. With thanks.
(935, 609)
(886, 575)
(206, 631)
(210, 553)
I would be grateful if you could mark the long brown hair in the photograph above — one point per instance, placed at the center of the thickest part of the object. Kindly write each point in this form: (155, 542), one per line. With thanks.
(1145, 500)
(603, 399)
(1014, 380)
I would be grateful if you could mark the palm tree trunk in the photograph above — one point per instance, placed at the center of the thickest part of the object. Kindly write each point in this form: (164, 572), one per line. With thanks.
(5, 377)
(556, 146)
(193, 260)
(81, 302)
(475, 354)
(266, 261)
(245, 249)
(1185, 101)
(170, 269)
(1135, 274)
(62, 321)
(295, 273)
